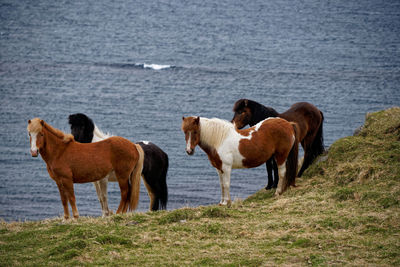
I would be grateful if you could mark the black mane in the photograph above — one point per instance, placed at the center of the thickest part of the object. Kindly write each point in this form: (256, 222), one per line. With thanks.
(259, 112)
(82, 127)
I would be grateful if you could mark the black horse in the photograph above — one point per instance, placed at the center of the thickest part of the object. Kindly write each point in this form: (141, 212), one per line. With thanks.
(308, 117)
(155, 165)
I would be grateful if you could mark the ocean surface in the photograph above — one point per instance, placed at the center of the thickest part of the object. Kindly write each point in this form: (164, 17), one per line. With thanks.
(137, 67)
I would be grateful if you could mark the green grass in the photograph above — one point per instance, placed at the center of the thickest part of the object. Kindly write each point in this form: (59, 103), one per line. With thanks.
(345, 211)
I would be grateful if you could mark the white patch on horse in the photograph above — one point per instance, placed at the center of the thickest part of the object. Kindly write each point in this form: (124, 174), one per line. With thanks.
(33, 142)
(145, 142)
(256, 128)
(188, 142)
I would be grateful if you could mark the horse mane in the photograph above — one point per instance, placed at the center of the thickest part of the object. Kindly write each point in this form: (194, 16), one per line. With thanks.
(58, 133)
(214, 131)
(259, 112)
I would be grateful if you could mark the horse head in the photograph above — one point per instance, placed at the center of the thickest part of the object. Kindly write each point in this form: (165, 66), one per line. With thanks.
(36, 135)
(191, 128)
(242, 113)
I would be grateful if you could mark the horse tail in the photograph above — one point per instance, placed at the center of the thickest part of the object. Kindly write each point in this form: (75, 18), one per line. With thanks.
(291, 161)
(135, 180)
(163, 192)
(318, 144)
(157, 188)
(314, 149)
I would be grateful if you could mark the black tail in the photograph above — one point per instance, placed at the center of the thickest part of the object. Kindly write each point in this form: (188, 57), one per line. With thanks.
(161, 190)
(291, 161)
(315, 149)
(154, 173)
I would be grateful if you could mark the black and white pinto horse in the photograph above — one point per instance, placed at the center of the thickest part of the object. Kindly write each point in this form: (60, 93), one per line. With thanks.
(155, 165)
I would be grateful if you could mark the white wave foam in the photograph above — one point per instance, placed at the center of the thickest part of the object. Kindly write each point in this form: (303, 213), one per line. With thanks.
(156, 66)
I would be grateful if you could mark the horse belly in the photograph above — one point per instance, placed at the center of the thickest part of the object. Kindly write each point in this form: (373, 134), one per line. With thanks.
(87, 175)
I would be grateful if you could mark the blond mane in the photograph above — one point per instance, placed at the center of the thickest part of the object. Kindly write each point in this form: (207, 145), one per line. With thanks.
(36, 125)
(214, 131)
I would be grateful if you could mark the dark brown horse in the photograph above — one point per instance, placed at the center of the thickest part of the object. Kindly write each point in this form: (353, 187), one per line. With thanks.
(70, 162)
(308, 117)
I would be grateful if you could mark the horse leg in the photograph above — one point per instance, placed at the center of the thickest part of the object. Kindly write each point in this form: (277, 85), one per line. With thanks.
(69, 188)
(308, 155)
(64, 199)
(151, 194)
(124, 187)
(282, 173)
(101, 190)
(225, 181)
(276, 173)
(269, 166)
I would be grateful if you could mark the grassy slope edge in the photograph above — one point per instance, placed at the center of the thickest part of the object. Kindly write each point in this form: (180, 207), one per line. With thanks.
(345, 211)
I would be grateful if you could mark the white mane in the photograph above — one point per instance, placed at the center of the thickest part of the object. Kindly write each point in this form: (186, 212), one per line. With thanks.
(99, 135)
(214, 131)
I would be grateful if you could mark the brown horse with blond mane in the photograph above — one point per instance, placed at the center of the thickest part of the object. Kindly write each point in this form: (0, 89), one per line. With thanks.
(70, 162)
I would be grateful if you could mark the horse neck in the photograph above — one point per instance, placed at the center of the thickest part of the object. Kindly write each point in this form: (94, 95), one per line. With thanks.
(54, 145)
(261, 112)
(213, 133)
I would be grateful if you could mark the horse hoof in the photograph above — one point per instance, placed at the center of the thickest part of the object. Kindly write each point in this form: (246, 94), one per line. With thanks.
(268, 187)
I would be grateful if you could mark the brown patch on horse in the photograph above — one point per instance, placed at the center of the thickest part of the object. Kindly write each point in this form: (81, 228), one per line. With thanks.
(213, 156)
(266, 142)
(245, 132)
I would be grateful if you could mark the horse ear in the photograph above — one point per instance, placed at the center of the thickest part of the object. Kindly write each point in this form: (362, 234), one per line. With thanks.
(246, 102)
(42, 122)
(29, 121)
(197, 120)
(183, 118)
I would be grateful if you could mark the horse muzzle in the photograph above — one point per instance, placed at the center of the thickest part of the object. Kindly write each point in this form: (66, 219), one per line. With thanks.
(190, 151)
(34, 153)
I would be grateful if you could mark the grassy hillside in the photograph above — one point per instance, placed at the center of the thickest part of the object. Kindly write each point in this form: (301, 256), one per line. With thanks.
(345, 211)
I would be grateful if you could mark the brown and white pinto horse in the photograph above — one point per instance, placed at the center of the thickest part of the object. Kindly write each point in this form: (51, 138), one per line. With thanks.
(308, 117)
(228, 148)
(70, 162)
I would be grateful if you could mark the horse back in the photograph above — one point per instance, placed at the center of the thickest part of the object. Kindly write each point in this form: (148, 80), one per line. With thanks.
(95, 160)
(306, 115)
(274, 136)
